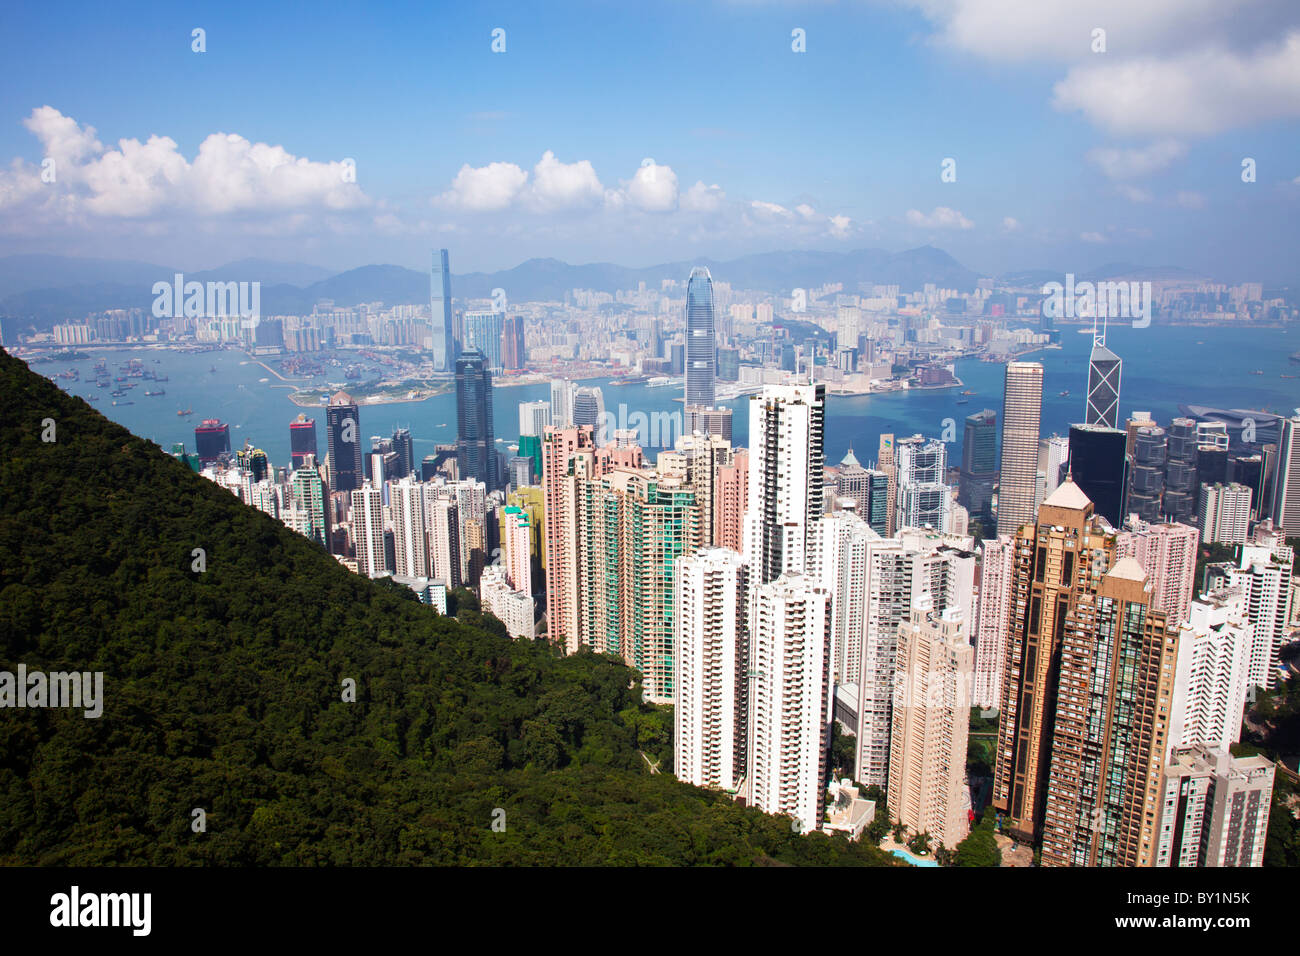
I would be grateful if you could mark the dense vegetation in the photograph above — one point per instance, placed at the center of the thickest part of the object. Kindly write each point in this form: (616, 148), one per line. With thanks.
(223, 691)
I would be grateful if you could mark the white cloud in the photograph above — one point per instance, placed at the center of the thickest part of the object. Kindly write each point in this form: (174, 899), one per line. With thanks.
(486, 188)
(770, 210)
(1205, 91)
(1118, 163)
(702, 198)
(1189, 199)
(805, 210)
(941, 218)
(1010, 224)
(558, 185)
(841, 227)
(135, 180)
(653, 188)
(1092, 237)
(1056, 30)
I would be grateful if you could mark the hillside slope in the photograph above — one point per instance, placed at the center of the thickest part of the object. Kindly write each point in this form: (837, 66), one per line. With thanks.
(222, 691)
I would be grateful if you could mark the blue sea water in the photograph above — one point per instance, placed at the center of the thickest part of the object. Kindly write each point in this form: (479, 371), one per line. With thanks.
(1163, 367)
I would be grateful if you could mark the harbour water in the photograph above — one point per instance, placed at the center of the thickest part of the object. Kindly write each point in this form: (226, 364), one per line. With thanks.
(1163, 367)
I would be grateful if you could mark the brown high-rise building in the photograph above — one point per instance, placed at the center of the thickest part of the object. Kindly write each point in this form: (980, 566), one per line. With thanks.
(1057, 561)
(1112, 718)
(886, 463)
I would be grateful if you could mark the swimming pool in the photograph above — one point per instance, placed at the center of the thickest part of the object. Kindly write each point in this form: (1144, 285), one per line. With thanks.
(914, 860)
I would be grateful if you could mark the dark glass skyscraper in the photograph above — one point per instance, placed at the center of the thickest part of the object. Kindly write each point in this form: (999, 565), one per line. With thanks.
(476, 452)
(1146, 486)
(405, 449)
(343, 434)
(1181, 490)
(211, 440)
(443, 341)
(979, 463)
(1097, 466)
(302, 440)
(701, 357)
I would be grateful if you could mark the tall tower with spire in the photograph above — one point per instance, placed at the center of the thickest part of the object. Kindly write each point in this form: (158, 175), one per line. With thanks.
(1103, 381)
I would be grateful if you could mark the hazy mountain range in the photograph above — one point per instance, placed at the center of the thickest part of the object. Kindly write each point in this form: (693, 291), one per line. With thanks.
(41, 290)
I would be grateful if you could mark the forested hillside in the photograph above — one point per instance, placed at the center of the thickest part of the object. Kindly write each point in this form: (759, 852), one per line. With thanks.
(223, 692)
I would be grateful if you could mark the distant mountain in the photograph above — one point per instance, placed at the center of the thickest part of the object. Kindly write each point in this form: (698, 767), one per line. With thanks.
(41, 290)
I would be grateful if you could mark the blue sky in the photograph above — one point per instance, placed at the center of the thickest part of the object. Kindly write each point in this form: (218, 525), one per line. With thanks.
(607, 132)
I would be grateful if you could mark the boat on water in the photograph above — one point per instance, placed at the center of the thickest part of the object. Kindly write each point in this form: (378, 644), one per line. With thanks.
(963, 401)
(188, 411)
(1294, 356)
(1064, 394)
(968, 392)
(116, 393)
(124, 403)
(159, 392)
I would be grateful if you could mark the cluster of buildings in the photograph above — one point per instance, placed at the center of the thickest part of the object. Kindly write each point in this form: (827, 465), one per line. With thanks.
(766, 595)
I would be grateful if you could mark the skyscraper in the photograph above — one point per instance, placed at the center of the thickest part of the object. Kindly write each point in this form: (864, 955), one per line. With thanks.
(789, 628)
(839, 552)
(1098, 467)
(711, 652)
(1167, 552)
(442, 340)
(368, 530)
(991, 621)
(483, 332)
(701, 358)
(1022, 406)
(885, 462)
(533, 418)
(476, 454)
(927, 750)
(868, 488)
(1103, 384)
(1180, 498)
(979, 464)
(404, 447)
(1286, 485)
(1113, 698)
(1212, 674)
(1224, 513)
(211, 440)
(410, 536)
(302, 440)
(1146, 474)
(924, 500)
(588, 408)
(1058, 561)
(343, 441)
(1215, 808)
(513, 353)
(785, 477)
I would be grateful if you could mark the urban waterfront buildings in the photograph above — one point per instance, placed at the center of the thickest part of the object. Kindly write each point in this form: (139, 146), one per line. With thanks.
(979, 464)
(1104, 368)
(302, 440)
(442, 341)
(1224, 513)
(701, 355)
(343, 442)
(1099, 467)
(1022, 403)
(476, 454)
